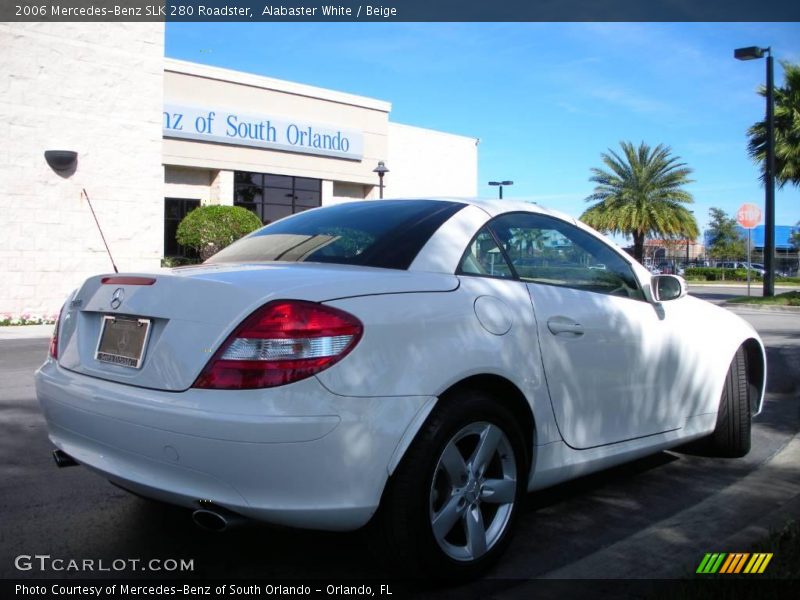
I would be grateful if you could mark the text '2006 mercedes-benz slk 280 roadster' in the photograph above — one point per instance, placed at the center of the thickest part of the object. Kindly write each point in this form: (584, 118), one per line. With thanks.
(414, 364)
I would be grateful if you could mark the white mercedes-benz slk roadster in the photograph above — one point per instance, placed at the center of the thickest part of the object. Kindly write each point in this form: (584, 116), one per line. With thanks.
(417, 364)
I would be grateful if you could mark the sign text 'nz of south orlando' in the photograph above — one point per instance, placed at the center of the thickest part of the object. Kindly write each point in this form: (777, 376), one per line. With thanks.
(260, 131)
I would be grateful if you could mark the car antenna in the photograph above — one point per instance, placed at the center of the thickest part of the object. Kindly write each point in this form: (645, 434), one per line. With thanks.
(83, 191)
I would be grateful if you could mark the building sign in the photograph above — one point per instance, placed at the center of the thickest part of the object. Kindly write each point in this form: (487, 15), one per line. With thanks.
(260, 131)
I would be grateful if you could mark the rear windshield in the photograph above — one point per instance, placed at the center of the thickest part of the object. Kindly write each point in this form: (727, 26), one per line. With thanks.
(376, 233)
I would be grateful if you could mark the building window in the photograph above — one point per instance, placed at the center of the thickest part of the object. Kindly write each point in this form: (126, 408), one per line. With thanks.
(272, 197)
(174, 211)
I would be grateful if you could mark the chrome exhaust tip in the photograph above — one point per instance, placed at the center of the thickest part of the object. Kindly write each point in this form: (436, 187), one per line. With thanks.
(63, 459)
(216, 519)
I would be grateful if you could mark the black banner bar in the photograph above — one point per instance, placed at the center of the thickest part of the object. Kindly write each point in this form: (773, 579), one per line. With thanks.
(400, 10)
(732, 587)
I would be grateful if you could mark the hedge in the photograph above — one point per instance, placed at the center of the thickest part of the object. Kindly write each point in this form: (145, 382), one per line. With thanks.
(209, 229)
(719, 274)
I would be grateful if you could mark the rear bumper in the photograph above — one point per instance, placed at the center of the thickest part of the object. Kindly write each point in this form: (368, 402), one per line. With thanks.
(296, 455)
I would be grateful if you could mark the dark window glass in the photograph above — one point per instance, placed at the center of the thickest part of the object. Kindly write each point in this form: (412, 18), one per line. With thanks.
(273, 212)
(378, 233)
(175, 209)
(306, 199)
(281, 181)
(240, 178)
(247, 193)
(484, 257)
(303, 183)
(546, 250)
(276, 196)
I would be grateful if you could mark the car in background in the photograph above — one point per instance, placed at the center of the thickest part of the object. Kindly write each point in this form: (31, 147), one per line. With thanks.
(404, 363)
(778, 273)
(754, 267)
(669, 268)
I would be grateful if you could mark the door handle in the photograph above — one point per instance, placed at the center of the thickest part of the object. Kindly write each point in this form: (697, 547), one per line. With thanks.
(564, 326)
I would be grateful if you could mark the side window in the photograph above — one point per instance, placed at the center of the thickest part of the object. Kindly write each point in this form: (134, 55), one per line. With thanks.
(546, 250)
(483, 257)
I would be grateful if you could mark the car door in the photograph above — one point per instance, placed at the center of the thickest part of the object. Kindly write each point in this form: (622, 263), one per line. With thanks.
(607, 353)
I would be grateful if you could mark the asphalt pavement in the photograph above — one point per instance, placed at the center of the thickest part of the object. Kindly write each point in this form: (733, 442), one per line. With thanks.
(653, 518)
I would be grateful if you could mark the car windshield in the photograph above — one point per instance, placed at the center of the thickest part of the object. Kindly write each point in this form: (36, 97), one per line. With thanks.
(376, 233)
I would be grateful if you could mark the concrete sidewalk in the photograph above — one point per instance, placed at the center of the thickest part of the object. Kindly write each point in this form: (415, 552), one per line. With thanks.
(26, 332)
(762, 501)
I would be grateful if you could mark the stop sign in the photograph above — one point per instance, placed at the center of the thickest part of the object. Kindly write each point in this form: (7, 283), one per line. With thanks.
(748, 216)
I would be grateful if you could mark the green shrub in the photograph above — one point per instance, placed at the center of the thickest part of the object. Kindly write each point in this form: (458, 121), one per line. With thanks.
(719, 274)
(209, 229)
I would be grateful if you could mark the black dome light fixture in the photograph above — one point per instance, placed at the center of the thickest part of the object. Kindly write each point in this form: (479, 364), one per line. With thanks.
(62, 162)
(381, 170)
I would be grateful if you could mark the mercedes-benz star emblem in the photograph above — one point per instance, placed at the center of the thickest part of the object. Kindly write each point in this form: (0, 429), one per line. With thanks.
(117, 298)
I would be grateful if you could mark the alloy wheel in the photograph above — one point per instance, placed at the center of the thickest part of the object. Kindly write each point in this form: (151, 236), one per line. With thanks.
(473, 491)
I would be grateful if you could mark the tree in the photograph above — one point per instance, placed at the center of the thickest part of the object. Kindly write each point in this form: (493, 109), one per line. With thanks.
(209, 229)
(529, 239)
(794, 239)
(787, 129)
(641, 194)
(724, 240)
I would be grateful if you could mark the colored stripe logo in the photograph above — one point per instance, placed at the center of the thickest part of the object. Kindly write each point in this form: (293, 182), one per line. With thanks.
(734, 562)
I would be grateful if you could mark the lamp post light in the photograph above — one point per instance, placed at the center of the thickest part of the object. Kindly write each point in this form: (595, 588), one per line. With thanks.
(501, 184)
(381, 170)
(750, 53)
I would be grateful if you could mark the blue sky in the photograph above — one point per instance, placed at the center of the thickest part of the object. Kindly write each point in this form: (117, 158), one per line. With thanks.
(544, 98)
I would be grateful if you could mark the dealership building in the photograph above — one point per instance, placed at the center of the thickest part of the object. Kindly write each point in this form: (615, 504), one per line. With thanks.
(154, 138)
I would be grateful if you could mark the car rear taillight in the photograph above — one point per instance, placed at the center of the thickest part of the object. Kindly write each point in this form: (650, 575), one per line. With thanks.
(54, 340)
(282, 342)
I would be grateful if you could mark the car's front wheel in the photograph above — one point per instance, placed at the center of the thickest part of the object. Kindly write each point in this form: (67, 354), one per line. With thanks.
(450, 507)
(731, 437)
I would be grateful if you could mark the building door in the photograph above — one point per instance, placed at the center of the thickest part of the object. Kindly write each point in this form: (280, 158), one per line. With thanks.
(175, 209)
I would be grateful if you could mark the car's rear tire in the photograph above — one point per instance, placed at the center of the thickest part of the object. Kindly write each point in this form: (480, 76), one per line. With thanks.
(731, 437)
(449, 509)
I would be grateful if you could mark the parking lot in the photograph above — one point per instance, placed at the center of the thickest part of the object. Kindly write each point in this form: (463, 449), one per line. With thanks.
(654, 518)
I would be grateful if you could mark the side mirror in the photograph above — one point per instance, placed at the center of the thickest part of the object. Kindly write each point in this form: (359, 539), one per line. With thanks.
(668, 287)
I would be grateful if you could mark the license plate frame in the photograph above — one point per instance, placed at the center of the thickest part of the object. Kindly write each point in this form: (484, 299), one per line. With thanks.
(121, 341)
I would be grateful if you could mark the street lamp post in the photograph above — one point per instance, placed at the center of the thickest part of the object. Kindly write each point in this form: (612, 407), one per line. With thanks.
(381, 170)
(751, 53)
(501, 184)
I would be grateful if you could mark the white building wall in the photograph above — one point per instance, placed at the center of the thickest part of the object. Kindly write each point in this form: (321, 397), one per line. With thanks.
(423, 162)
(96, 90)
(192, 184)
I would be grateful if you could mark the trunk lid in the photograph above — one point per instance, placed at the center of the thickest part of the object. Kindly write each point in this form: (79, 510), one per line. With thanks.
(192, 310)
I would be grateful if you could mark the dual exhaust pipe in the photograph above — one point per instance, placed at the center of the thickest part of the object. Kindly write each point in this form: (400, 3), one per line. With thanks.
(212, 518)
(217, 519)
(63, 460)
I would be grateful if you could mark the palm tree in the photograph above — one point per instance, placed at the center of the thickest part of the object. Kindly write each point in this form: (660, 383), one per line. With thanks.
(530, 239)
(787, 129)
(641, 194)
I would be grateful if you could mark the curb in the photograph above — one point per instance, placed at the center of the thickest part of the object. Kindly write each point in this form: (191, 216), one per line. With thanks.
(764, 307)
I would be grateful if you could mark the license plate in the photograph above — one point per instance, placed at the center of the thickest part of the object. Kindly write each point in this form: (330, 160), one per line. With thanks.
(123, 341)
